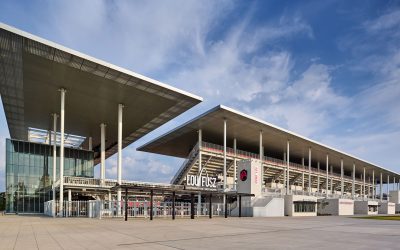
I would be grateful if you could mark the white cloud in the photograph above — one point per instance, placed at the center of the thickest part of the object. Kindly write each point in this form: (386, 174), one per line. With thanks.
(386, 21)
(305, 106)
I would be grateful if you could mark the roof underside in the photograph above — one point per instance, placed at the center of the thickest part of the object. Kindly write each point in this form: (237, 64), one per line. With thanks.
(246, 130)
(32, 70)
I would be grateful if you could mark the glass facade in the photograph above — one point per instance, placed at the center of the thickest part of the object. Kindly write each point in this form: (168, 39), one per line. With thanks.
(29, 171)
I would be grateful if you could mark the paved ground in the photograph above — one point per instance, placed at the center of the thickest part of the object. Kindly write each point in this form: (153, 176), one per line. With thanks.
(28, 232)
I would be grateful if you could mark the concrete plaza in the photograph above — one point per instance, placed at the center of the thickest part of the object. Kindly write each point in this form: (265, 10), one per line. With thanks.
(30, 232)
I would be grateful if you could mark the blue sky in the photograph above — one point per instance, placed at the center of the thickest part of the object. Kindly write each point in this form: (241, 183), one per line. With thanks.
(329, 70)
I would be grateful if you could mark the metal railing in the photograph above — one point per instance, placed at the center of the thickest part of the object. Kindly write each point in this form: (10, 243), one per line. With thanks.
(269, 160)
(140, 209)
(185, 163)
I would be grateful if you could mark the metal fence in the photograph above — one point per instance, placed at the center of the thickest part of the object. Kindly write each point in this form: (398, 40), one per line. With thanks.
(139, 209)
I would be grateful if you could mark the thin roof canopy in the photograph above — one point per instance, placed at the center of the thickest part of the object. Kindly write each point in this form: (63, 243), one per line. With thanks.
(32, 70)
(246, 129)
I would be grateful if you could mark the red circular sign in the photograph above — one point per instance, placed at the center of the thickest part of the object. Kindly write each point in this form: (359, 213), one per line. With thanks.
(243, 175)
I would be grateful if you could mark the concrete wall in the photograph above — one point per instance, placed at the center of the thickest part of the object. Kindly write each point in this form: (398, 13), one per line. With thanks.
(362, 207)
(387, 208)
(336, 207)
(261, 207)
(394, 196)
(289, 205)
(274, 208)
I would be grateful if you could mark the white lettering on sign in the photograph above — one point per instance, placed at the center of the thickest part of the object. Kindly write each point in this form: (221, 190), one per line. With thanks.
(256, 175)
(201, 181)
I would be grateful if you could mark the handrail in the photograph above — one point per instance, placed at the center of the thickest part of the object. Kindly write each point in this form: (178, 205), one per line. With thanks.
(185, 162)
(268, 160)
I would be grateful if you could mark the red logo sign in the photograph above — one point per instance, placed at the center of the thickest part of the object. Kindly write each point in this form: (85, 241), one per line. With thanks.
(243, 175)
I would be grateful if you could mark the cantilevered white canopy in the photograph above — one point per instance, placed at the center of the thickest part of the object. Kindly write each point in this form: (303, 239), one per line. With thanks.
(32, 70)
(246, 129)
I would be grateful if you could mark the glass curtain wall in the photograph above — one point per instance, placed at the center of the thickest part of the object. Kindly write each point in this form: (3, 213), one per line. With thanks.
(29, 171)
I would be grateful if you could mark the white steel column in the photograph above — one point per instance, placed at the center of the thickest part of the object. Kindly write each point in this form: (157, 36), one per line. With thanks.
(119, 162)
(309, 169)
(90, 147)
(102, 152)
(387, 188)
(234, 163)
(327, 175)
(331, 179)
(288, 170)
(369, 186)
(318, 180)
(302, 175)
(224, 186)
(224, 156)
(394, 184)
(341, 178)
(353, 183)
(199, 170)
(54, 162)
(364, 182)
(284, 171)
(381, 188)
(62, 116)
(69, 202)
(373, 184)
(261, 158)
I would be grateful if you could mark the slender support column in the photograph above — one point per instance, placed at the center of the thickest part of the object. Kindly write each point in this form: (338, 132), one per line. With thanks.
(364, 182)
(102, 152)
(387, 188)
(240, 206)
(224, 186)
(210, 207)
(54, 162)
(90, 142)
(327, 175)
(200, 169)
(341, 178)
(381, 188)
(373, 185)
(69, 202)
(318, 180)
(192, 206)
(261, 154)
(287, 168)
(126, 204)
(62, 122)
(394, 184)
(369, 186)
(224, 155)
(284, 171)
(173, 205)
(361, 186)
(119, 160)
(234, 163)
(151, 204)
(302, 175)
(309, 169)
(353, 183)
(331, 179)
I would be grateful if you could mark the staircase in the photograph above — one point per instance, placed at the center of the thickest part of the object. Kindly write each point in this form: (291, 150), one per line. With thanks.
(186, 166)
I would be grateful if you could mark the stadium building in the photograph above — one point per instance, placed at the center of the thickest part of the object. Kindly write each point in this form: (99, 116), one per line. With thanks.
(68, 112)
